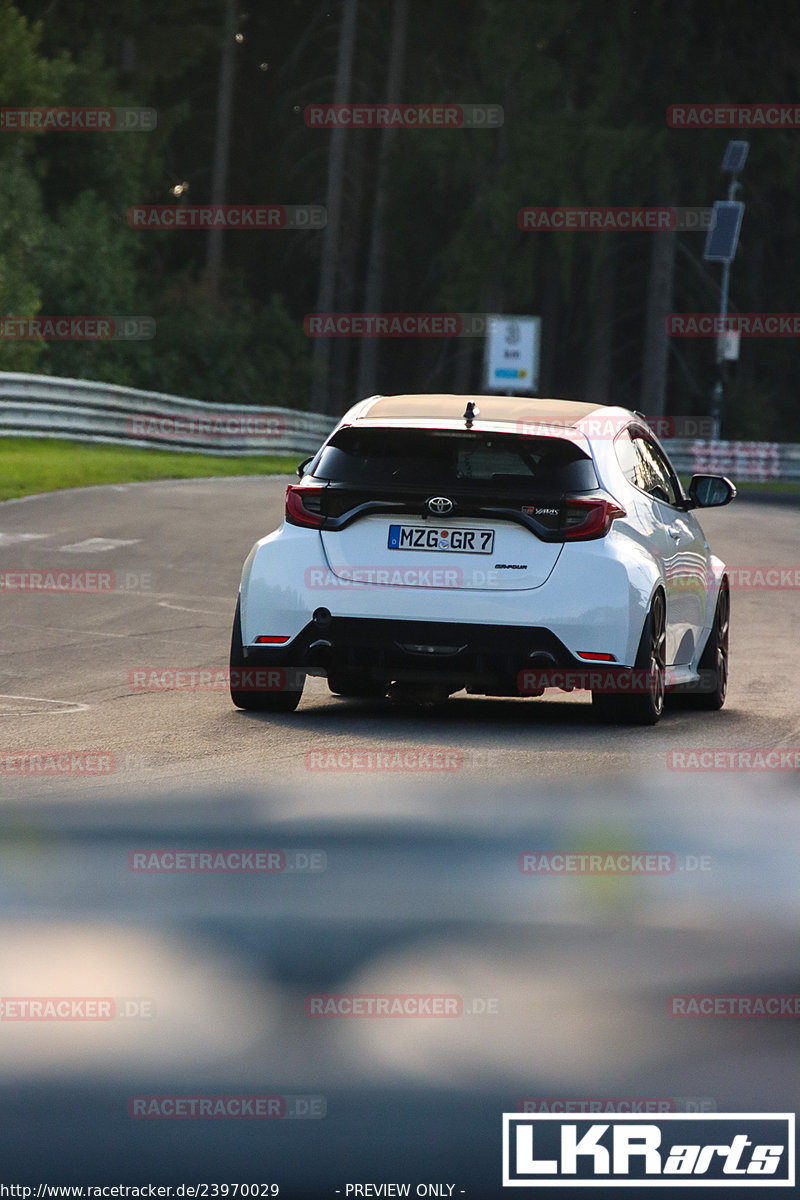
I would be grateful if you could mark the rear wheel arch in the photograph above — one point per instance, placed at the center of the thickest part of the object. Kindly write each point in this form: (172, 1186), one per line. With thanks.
(256, 697)
(641, 706)
(710, 691)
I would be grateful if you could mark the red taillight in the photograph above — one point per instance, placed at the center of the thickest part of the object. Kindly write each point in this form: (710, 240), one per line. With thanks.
(586, 519)
(304, 505)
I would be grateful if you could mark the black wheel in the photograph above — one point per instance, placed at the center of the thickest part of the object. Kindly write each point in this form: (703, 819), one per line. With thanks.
(343, 683)
(709, 694)
(261, 689)
(641, 706)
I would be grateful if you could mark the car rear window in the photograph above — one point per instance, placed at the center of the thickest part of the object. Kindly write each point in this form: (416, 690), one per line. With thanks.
(440, 459)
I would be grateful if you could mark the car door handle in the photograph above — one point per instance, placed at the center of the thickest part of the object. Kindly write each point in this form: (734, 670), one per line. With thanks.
(674, 532)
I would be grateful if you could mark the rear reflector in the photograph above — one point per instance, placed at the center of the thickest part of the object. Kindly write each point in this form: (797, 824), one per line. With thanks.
(592, 656)
(270, 640)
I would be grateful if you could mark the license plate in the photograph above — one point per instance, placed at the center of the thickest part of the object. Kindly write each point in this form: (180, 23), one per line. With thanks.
(427, 537)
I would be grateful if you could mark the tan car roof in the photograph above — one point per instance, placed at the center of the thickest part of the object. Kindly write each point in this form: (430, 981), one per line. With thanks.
(440, 406)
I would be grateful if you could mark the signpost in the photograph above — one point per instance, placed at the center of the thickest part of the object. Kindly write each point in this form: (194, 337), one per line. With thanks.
(512, 354)
(723, 234)
(721, 242)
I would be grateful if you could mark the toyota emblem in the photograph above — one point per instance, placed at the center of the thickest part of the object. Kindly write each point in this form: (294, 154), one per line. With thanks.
(440, 506)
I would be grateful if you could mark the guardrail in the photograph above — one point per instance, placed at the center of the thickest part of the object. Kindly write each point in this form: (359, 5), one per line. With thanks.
(80, 410)
(742, 461)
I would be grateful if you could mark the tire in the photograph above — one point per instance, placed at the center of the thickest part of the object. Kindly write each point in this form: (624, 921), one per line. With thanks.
(641, 708)
(709, 694)
(344, 684)
(267, 700)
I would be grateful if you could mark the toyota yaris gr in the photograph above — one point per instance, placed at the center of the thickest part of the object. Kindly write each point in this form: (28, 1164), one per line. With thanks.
(500, 545)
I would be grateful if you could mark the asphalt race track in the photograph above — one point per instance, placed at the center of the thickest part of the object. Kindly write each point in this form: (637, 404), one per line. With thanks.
(176, 550)
(565, 982)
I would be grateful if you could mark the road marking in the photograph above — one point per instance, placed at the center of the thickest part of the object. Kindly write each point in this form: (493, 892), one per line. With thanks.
(72, 706)
(97, 545)
(11, 539)
(180, 608)
(91, 633)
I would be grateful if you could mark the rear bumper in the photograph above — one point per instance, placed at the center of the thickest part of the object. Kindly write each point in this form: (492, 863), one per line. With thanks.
(452, 653)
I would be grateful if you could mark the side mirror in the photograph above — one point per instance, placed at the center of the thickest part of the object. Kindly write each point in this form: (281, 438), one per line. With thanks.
(710, 491)
(301, 470)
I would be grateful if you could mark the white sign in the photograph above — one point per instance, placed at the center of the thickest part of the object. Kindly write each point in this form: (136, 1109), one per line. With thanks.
(512, 354)
(728, 346)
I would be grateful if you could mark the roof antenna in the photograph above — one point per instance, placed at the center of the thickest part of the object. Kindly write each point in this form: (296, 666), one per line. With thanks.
(470, 413)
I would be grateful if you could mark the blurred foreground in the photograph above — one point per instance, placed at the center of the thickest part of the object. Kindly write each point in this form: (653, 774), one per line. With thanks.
(561, 981)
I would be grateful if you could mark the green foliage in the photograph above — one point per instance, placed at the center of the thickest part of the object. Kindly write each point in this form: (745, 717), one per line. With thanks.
(26, 78)
(88, 266)
(235, 352)
(22, 228)
(585, 86)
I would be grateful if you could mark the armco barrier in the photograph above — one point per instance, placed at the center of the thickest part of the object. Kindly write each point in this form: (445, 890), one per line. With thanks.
(80, 410)
(742, 461)
(77, 409)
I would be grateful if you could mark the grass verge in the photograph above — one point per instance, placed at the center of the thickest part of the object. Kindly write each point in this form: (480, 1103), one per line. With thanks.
(778, 486)
(31, 465)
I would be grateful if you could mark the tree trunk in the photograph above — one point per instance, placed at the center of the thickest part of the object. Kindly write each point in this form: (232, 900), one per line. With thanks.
(599, 356)
(549, 375)
(655, 358)
(367, 381)
(321, 351)
(343, 350)
(222, 145)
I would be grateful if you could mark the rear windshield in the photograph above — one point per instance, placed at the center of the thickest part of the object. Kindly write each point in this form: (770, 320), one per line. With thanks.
(440, 459)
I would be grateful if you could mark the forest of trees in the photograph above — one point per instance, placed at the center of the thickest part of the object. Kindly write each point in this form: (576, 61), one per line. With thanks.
(428, 218)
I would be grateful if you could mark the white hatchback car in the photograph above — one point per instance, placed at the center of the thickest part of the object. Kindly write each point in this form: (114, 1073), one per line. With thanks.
(500, 545)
